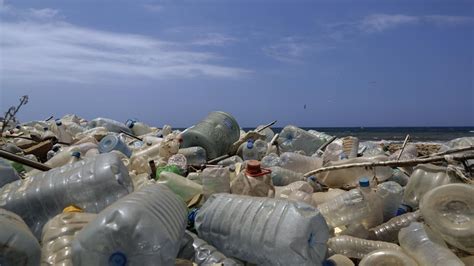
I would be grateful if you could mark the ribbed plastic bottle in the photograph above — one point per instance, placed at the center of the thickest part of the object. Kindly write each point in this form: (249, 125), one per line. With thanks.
(254, 150)
(114, 142)
(284, 191)
(92, 184)
(418, 245)
(375, 215)
(391, 194)
(205, 254)
(142, 228)
(262, 230)
(194, 155)
(354, 247)
(388, 231)
(293, 139)
(387, 257)
(350, 146)
(283, 177)
(299, 163)
(18, 246)
(449, 211)
(58, 234)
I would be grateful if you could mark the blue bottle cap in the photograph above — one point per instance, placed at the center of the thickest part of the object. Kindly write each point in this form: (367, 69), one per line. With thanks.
(130, 123)
(58, 122)
(312, 178)
(117, 259)
(329, 263)
(192, 215)
(249, 144)
(364, 182)
(76, 154)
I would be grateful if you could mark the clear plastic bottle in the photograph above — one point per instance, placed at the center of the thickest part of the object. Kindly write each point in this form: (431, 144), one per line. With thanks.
(285, 191)
(60, 131)
(418, 245)
(283, 177)
(230, 161)
(18, 245)
(338, 260)
(138, 128)
(347, 208)
(254, 150)
(354, 247)
(294, 139)
(322, 197)
(205, 254)
(299, 163)
(375, 214)
(449, 211)
(8, 174)
(215, 180)
(194, 155)
(92, 184)
(391, 194)
(58, 234)
(270, 160)
(114, 142)
(388, 257)
(263, 231)
(350, 145)
(389, 231)
(142, 228)
(268, 132)
(109, 124)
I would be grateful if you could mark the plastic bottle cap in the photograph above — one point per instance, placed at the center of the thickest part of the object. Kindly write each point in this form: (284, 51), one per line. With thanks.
(249, 144)
(72, 208)
(329, 263)
(312, 178)
(130, 123)
(58, 122)
(117, 259)
(45, 128)
(364, 182)
(254, 169)
(76, 154)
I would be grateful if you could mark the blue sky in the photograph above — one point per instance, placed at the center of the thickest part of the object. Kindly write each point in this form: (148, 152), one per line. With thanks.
(353, 63)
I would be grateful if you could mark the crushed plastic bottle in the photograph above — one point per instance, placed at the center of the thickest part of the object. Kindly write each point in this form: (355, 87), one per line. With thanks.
(215, 180)
(138, 128)
(230, 161)
(354, 247)
(263, 231)
(387, 257)
(109, 124)
(255, 181)
(388, 231)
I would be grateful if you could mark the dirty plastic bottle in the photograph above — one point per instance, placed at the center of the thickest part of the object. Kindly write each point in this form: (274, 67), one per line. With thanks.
(293, 139)
(216, 133)
(338, 260)
(61, 132)
(109, 124)
(349, 207)
(270, 160)
(255, 181)
(254, 150)
(283, 177)
(299, 163)
(138, 128)
(8, 174)
(399, 177)
(114, 142)
(263, 231)
(418, 245)
(230, 161)
(58, 234)
(268, 132)
(449, 211)
(194, 155)
(321, 197)
(166, 130)
(142, 228)
(180, 185)
(391, 194)
(215, 180)
(375, 214)
(354, 247)
(424, 178)
(18, 246)
(388, 231)
(92, 184)
(387, 257)
(285, 191)
(205, 254)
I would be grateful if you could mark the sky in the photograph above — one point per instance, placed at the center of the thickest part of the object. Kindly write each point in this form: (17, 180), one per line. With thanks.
(351, 63)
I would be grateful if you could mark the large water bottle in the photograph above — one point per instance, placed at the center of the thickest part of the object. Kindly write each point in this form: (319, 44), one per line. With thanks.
(283, 177)
(114, 142)
(180, 185)
(354, 247)
(194, 155)
(8, 174)
(347, 208)
(58, 234)
(109, 124)
(424, 178)
(299, 163)
(387, 257)
(205, 254)
(18, 246)
(254, 150)
(92, 184)
(143, 228)
(389, 231)
(391, 194)
(375, 215)
(262, 230)
(449, 210)
(418, 245)
(216, 133)
(322, 197)
(293, 139)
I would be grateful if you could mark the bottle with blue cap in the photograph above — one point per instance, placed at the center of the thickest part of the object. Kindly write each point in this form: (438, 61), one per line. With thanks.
(114, 142)
(254, 150)
(374, 216)
(60, 131)
(138, 128)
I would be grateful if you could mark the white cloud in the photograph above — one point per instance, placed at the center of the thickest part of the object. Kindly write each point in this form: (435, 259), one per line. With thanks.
(214, 39)
(382, 22)
(153, 7)
(45, 13)
(288, 49)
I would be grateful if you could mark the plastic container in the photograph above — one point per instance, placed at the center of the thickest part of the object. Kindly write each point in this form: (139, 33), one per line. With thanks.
(268, 132)
(375, 214)
(255, 181)
(92, 184)
(299, 163)
(143, 228)
(138, 128)
(230, 161)
(8, 174)
(283, 177)
(424, 178)
(350, 146)
(215, 180)
(417, 244)
(338, 260)
(113, 142)
(254, 150)
(449, 211)
(293, 139)
(271, 160)
(205, 254)
(263, 231)
(59, 129)
(109, 124)
(18, 245)
(194, 155)
(183, 187)
(285, 191)
(391, 194)
(354, 247)
(216, 133)
(322, 197)
(389, 231)
(387, 257)
(59, 233)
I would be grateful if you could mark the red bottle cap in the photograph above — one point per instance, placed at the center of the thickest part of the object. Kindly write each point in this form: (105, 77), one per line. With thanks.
(254, 169)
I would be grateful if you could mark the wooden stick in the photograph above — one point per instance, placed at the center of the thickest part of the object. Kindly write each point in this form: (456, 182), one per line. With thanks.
(403, 146)
(390, 163)
(19, 159)
(321, 149)
(130, 135)
(266, 126)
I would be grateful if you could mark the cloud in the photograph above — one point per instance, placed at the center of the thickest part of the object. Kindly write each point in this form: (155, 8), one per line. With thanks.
(382, 22)
(45, 13)
(442, 20)
(153, 8)
(288, 49)
(214, 39)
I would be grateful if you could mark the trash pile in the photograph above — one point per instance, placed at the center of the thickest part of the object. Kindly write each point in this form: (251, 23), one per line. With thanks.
(102, 192)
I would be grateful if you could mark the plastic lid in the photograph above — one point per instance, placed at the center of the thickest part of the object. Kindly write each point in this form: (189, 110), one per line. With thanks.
(76, 154)
(130, 123)
(72, 208)
(312, 178)
(329, 263)
(364, 182)
(253, 169)
(45, 128)
(58, 122)
(249, 144)
(118, 259)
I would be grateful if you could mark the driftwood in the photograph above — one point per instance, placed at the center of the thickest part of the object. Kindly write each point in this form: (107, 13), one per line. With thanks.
(19, 159)
(412, 162)
(403, 146)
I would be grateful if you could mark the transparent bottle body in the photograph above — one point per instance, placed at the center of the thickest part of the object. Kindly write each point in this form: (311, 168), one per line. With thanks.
(294, 139)
(299, 163)
(387, 257)
(283, 177)
(349, 207)
(194, 155)
(388, 231)
(391, 194)
(354, 247)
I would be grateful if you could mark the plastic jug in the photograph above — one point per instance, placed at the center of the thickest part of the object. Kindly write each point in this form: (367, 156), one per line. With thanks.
(391, 194)
(283, 177)
(114, 142)
(389, 231)
(388, 257)
(299, 163)
(215, 180)
(18, 246)
(263, 231)
(180, 185)
(142, 228)
(194, 155)
(354, 247)
(216, 133)
(293, 139)
(92, 184)
(255, 181)
(138, 128)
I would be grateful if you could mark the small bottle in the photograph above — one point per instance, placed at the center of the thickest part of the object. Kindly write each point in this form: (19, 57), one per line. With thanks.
(375, 215)
(354, 247)
(389, 231)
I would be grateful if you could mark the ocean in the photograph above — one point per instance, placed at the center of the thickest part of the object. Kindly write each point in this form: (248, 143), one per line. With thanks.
(396, 134)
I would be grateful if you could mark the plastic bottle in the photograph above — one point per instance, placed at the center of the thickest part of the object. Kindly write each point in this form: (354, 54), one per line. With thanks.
(58, 234)
(114, 142)
(299, 163)
(285, 191)
(142, 228)
(399, 177)
(139, 160)
(255, 181)
(293, 139)
(338, 260)
(268, 132)
(263, 231)
(387, 257)
(449, 211)
(254, 150)
(349, 207)
(205, 254)
(424, 178)
(109, 124)
(418, 245)
(8, 174)
(166, 130)
(283, 177)
(322, 197)
(230, 161)
(92, 184)
(350, 146)
(216, 133)
(60, 131)
(391, 194)
(354, 247)
(375, 215)
(271, 160)
(215, 180)
(389, 231)
(194, 155)
(18, 245)
(183, 187)
(138, 128)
